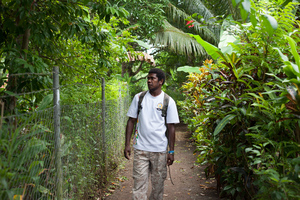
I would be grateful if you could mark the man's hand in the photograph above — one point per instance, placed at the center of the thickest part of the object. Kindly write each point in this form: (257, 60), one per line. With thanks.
(170, 159)
(127, 152)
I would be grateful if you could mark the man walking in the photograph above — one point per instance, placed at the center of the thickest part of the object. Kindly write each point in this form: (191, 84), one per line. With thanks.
(150, 139)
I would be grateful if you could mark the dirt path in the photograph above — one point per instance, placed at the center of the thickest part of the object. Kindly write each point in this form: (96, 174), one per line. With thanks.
(188, 178)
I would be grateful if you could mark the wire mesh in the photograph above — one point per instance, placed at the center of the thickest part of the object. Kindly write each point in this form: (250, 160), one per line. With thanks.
(82, 146)
(27, 167)
(27, 161)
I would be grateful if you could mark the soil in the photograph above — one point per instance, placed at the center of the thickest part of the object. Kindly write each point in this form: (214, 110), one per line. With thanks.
(188, 177)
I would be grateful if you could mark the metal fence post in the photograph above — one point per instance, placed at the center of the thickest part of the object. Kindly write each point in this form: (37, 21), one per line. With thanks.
(56, 116)
(103, 127)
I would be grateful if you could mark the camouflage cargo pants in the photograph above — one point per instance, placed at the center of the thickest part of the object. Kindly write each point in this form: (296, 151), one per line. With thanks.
(146, 164)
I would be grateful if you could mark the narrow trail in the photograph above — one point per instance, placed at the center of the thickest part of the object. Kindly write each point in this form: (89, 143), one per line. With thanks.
(188, 177)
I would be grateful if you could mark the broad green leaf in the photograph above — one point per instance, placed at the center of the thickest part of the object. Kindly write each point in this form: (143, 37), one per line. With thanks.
(269, 92)
(270, 23)
(223, 123)
(47, 100)
(210, 49)
(296, 81)
(246, 5)
(30, 67)
(43, 189)
(260, 105)
(227, 40)
(256, 152)
(189, 69)
(20, 61)
(256, 96)
(289, 71)
(244, 13)
(227, 187)
(142, 44)
(13, 94)
(235, 72)
(253, 18)
(257, 161)
(65, 149)
(296, 69)
(225, 98)
(67, 118)
(243, 110)
(235, 2)
(86, 16)
(282, 56)
(273, 75)
(276, 179)
(294, 51)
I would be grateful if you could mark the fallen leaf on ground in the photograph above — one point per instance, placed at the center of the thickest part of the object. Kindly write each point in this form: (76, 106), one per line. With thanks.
(207, 188)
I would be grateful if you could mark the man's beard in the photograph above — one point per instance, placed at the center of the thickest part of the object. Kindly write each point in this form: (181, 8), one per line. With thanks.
(152, 89)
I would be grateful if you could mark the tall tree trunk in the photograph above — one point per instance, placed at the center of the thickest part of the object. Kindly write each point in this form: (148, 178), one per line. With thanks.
(13, 82)
(25, 42)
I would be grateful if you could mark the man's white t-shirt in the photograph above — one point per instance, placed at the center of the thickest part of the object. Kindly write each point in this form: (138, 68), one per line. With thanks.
(150, 131)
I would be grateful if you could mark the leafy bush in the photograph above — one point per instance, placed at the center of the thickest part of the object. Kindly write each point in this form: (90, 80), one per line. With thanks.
(25, 160)
(243, 124)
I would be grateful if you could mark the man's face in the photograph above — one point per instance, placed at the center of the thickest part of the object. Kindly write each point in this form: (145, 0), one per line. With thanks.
(153, 83)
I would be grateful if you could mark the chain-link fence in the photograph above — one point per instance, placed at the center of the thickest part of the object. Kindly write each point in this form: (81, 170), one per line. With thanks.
(91, 142)
(87, 156)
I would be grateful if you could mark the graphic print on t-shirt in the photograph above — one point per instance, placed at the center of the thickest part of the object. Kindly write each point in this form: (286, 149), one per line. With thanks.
(159, 106)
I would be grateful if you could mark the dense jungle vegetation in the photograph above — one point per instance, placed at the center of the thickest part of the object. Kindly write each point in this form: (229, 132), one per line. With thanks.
(233, 67)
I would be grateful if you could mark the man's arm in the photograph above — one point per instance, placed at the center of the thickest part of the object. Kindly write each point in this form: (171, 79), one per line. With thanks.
(129, 130)
(171, 139)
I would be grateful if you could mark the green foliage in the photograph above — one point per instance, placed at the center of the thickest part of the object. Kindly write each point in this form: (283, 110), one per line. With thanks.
(145, 21)
(86, 154)
(28, 168)
(84, 38)
(245, 107)
(24, 165)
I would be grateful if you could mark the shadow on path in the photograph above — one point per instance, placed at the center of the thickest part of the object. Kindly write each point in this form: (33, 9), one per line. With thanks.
(188, 177)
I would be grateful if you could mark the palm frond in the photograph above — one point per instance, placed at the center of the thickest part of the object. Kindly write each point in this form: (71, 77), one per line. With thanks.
(209, 32)
(212, 7)
(196, 6)
(178, 41)
(175, 14)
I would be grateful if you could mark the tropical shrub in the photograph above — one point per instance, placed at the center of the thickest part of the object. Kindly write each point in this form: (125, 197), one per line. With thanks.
(25, 159)
(245, 107)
